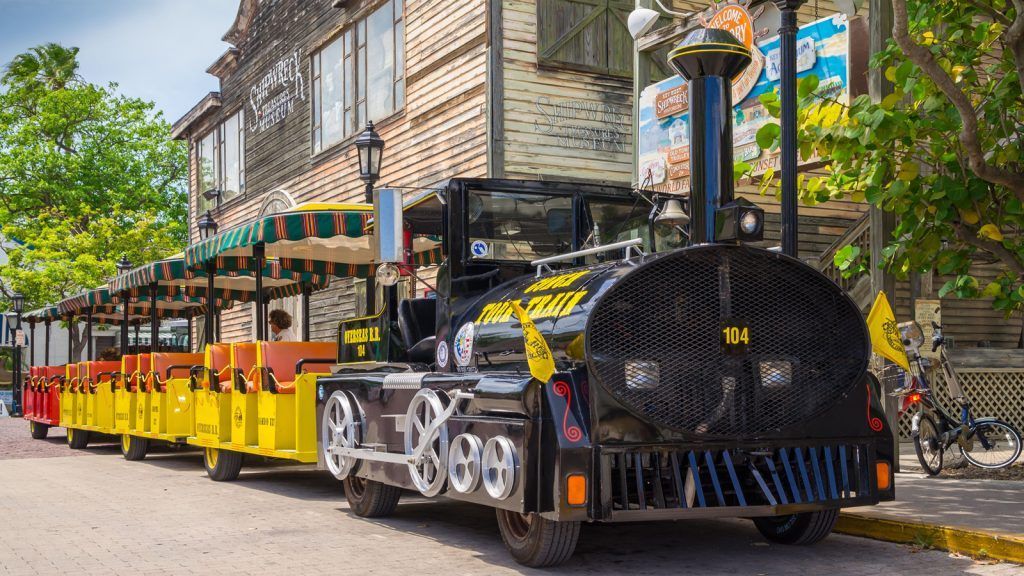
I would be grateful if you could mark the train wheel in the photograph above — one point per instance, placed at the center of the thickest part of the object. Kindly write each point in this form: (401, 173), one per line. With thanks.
(801, 529)
(341, 427)
(222, 465)
(78, 439)
(133, 448)
(536, 541)
(430, 471)
(37, 430)
(369, 498)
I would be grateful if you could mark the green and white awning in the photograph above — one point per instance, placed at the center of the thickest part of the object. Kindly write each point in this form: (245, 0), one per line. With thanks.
(323, 239)
(43, 314)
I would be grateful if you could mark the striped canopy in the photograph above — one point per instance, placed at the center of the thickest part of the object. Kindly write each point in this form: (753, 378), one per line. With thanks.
(234, 280)
(317, 239)
(81, 303)
(106, 307)
(43, 314)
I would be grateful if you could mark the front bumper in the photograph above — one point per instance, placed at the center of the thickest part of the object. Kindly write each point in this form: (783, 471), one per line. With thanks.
(674, 482)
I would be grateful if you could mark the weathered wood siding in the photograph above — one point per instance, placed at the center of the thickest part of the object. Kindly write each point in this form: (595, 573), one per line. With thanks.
(440, 133)
(559, 123)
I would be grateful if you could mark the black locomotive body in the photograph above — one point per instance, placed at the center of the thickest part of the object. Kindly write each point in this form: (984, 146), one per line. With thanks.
(712, 380)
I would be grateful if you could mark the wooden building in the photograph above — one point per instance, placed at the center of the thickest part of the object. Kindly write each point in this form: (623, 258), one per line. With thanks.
(533, 89)
(474, 88)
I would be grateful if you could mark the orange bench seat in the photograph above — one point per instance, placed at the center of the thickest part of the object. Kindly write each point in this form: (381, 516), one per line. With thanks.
(277, 362)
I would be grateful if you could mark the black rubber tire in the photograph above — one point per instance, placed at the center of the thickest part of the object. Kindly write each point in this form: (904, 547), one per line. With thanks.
(37, 430)
(225, 466)
(932, 470)
(536, 541)
(369, 498)
(798, 529)
(134, 448)
(77, 439)
(1015, 443)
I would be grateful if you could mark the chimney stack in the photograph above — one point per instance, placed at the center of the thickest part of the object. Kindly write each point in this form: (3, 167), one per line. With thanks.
(709, 59)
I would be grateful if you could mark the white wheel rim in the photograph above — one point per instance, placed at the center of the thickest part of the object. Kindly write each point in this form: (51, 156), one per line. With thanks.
(340, 429)
(430, 470)
(464, 463)
(499, 467)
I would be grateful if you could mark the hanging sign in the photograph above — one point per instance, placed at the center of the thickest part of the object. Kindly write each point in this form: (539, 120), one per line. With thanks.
(824, 49)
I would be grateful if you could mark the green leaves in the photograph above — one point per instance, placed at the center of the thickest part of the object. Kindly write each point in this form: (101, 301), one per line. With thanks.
(86, 175)
(768, 135)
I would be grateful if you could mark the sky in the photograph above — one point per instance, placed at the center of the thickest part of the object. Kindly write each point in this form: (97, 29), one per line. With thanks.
(157, 50)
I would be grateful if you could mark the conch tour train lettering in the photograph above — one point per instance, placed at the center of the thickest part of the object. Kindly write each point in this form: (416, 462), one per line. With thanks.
(697, 374)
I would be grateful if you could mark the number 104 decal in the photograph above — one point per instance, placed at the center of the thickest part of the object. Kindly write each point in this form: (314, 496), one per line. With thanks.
(735, 336)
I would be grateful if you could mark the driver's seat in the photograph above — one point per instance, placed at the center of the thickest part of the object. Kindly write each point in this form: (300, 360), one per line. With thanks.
(417, 320)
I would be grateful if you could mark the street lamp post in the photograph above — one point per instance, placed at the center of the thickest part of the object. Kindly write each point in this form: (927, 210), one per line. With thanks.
(208, 229)
(18, 305)
(123, 267)
(371, 148)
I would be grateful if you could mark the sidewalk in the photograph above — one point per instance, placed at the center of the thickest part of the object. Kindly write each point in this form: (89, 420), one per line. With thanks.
(972, 517)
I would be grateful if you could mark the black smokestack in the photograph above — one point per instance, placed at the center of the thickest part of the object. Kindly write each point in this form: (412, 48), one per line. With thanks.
(709, 59)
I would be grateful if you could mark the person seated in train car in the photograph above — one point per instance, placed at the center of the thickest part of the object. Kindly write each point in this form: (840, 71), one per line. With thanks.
(281, 326)
(110, 354)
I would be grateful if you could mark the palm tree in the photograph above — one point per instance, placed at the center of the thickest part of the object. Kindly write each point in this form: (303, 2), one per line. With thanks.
(49, 66)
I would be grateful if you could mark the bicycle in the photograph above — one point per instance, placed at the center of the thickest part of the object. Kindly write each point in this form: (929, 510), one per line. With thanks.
(986, 442)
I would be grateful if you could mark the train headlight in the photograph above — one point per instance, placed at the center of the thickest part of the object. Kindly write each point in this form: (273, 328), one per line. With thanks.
(739, 221)
(776, 373)
(642, 374)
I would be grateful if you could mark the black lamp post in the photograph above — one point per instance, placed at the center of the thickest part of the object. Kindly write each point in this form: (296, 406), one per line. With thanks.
(371, 149)
(208, 229)
(18, 305)
(123, 266)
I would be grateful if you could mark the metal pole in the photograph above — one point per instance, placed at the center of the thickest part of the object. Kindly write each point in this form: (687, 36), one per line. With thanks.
(46, 352)
(190, 333)
(16, 385)
(124, 323)
(259, 255)
(787, 88)
(88, 335)
(32, 342)
(71, 343)
(211, 275)
(306, 289)
(138, 325)
(154, 321)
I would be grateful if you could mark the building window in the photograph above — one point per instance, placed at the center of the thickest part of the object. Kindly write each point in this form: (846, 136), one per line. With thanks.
(359, 75)
(587, 35)
(220, 156)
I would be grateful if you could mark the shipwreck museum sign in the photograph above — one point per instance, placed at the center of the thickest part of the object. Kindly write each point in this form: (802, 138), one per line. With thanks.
(274, 95)
(823, 49)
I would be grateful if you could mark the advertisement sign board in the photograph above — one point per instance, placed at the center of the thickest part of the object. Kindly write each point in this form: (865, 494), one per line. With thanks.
(823, 49)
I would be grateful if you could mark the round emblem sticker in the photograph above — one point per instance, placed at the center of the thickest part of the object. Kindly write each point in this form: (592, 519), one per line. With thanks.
(442, 354)
(479, 249)
(463, 344)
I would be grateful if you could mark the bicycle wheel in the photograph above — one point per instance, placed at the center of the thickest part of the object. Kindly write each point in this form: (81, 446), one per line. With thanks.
(928, 445)
(993, 444)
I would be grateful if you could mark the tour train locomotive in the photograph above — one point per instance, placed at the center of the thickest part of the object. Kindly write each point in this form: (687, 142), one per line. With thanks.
(589, 353)
(714, 379)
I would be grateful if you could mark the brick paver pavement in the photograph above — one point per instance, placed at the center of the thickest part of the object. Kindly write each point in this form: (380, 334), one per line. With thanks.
(15, 441)
(102, 515)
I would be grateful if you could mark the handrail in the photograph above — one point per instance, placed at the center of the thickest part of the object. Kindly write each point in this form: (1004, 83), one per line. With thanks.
(859, 234)
(541, 263)
(302, 361)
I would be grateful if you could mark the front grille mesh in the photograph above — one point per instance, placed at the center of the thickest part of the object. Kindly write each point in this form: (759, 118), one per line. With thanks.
(654, 342)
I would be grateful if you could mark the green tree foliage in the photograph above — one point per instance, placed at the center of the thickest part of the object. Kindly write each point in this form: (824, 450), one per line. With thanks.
(943, 151)
(86, 175)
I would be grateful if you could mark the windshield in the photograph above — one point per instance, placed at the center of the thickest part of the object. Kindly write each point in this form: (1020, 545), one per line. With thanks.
(516, 226)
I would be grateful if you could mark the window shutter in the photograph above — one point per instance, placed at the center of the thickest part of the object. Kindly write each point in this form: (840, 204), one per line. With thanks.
(588, 35)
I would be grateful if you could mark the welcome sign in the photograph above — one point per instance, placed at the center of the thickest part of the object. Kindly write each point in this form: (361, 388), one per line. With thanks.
(823, 49)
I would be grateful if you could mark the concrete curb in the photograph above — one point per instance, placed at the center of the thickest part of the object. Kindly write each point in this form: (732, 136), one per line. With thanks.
(967, 541)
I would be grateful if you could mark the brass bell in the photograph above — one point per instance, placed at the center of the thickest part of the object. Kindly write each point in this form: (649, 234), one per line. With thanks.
(672, 214)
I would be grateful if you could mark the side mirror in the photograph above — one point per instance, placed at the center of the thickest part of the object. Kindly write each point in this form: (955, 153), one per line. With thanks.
(387, 226)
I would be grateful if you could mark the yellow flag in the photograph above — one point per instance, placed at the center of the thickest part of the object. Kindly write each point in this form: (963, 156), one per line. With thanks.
(542, 363)
(885, 335)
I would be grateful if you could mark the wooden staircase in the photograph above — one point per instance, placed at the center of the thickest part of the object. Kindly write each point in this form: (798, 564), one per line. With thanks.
(858, 286)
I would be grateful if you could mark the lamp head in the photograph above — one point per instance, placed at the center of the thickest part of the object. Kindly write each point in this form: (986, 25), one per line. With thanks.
(370, 146)
(123, 265)
(207, 226)
(641, 21)
(17, 302)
